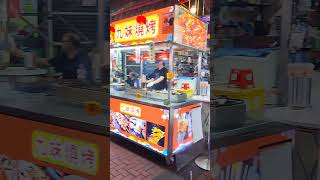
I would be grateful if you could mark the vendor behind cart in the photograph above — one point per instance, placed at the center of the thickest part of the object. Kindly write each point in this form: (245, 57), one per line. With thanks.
(72, 62)
(116, 75)
(158, 79)
(132, 80)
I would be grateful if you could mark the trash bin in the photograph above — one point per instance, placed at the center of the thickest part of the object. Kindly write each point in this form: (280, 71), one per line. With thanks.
(300, 84)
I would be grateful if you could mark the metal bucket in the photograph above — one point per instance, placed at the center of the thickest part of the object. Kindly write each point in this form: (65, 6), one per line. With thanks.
(300, 92)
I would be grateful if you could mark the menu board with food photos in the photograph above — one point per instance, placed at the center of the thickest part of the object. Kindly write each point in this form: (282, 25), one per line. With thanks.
(189, 30)
(148, 126)
(142, 124)
(19, 169)
(34, 150)
(183, 130)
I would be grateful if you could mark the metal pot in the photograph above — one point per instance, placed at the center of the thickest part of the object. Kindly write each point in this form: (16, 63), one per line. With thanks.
(119, 87)
(31, 84)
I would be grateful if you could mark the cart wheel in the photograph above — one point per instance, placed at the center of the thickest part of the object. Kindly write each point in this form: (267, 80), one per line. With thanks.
(169, 161)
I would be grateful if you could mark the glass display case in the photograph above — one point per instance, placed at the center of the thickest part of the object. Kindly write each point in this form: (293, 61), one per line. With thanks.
(133, 68)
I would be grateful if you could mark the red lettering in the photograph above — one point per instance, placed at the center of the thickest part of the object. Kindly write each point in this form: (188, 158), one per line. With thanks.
(139, 30)
(128, 31)
(119, 33)
(151, 26)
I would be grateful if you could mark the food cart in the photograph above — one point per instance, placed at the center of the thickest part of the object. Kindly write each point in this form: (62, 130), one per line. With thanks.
(166, 121)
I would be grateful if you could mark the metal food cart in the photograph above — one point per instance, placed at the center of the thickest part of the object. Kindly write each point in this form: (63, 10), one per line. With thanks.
(165, 121)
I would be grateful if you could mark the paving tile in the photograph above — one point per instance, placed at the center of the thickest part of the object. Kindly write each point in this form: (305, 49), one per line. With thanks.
(129, 177)
(145, 173)
(154, 170)
(114, 172)
(126, 165)
(119, 177)
(140, 177)
(138, 167)
(148, 166)
(131, 166)
(151, 177)
(123, 172)
(133, 172)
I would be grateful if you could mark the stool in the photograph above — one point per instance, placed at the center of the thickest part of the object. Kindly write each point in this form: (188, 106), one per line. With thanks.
(241, 78)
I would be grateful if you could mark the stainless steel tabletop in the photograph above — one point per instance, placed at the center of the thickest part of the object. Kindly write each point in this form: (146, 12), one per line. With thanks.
(149, 101)
(49, 109)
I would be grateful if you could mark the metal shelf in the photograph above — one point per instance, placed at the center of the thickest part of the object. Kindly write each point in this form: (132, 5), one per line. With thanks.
(86, 21)
(30, 14)
(83, 43)
(244, 4)
(133, 65)
(76, 13)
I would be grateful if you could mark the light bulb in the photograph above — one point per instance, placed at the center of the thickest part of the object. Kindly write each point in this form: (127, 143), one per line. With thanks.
(193, 9)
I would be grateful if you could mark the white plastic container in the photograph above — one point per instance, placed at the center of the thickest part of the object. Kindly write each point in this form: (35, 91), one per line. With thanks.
(300, 85)
(28, 60)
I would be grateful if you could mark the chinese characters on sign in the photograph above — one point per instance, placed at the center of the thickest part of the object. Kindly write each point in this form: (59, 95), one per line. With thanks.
(66, 152)
(131, 30)
(131, 110)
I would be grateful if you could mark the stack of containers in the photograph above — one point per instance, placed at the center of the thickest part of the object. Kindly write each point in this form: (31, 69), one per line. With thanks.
(300, 84)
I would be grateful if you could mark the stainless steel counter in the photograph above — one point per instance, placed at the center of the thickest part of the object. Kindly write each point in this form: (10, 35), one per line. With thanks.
(251, 129)
(148, 101)
(49, 109)
(255, 126)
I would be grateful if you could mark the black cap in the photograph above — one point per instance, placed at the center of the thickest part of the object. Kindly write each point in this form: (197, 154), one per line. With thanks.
(159, 61)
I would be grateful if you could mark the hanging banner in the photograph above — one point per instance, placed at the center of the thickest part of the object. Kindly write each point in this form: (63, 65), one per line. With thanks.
(157, 28)
(132, 31)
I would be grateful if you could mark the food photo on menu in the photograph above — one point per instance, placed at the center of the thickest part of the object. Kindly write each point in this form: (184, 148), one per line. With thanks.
(120, 122)
(137, 127)
(8, 168)
(24, 170)
(114, 121)
(155, 134)
(132, 125)
(184, 126)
